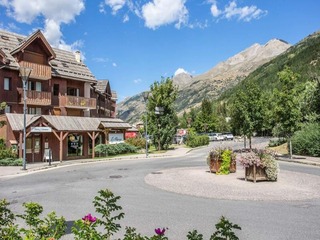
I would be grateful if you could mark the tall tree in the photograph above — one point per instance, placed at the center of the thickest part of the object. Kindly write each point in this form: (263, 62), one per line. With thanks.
(162, 124)
(287, 111)
(246, 114)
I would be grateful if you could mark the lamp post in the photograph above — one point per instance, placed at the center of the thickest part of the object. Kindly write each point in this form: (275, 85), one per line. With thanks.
(145, 97)
(159, 111)
(24, 74)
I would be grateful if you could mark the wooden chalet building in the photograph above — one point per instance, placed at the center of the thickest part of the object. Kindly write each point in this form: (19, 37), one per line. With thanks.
(68, 110)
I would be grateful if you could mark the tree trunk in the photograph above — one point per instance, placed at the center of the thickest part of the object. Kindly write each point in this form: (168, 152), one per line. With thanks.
(245, 142)
(290, 147)
(250, 146)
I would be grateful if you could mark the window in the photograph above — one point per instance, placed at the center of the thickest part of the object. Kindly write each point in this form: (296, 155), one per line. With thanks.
(55, 89)
(7, 109)
(32, 110)
(35, 86)
(7, 83)
(73, 92)
(75, 143)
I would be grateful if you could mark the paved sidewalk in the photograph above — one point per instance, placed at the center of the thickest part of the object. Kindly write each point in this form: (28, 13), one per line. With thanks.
(32, 167)
(176, 152)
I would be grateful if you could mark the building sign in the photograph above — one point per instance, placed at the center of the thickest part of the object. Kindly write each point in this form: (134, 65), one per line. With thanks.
(116, 138)
(41, 129)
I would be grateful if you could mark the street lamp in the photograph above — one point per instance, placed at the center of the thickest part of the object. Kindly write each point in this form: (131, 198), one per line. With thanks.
(159, 111)
(145, 97)
(24, 74)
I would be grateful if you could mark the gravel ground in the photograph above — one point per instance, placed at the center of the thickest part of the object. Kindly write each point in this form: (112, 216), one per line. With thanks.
(291, 186)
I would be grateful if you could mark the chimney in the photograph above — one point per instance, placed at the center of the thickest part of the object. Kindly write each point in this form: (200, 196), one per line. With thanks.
(78, 56)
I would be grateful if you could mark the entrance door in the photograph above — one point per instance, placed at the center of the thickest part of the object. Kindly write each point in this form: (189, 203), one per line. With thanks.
(34, 148)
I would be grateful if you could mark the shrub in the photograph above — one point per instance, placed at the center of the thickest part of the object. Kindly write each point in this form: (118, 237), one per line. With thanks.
(137, 142)
(115, 149)
(196, 141)
(306, 141)
(10, 162)
(6, 152)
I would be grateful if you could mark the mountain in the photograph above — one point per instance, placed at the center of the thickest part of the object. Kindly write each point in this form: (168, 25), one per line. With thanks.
(229, 73)
(211, 84)
(302, 58)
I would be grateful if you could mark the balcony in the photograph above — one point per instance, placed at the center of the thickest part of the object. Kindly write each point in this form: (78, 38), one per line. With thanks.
(36, 97)
(39, 71)
(77, 102)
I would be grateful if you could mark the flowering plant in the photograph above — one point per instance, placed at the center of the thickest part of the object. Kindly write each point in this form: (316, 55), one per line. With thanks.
(261, 158)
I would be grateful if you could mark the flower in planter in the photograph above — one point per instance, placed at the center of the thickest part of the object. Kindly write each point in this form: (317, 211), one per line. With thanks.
(261, 158)
(221, 161)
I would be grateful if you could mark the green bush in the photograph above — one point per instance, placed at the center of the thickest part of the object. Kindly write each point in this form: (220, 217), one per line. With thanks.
(10, 162)
(196, 141)
(137, 142)
(115, 149)
(6, 152)
(306, 141)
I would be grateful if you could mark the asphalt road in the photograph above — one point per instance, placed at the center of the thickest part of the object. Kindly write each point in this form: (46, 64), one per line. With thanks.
(69, 191)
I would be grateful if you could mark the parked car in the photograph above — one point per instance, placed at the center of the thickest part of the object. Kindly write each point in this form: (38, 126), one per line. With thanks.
(227, 136)
(211, 136)
(216, 137)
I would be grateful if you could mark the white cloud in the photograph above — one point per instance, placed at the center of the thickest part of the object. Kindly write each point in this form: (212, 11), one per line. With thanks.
(54, 12)
(230, 11)
(100, 59)
(126, 18)
(180, 70)
(115, 5)
(162, 12)
(137, 81)
(114, 64)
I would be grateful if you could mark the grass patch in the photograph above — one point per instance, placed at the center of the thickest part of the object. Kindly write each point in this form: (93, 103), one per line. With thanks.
(281, 149)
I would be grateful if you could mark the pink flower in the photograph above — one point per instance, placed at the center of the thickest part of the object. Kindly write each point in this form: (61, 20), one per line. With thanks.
(160, 231)
(89, 218)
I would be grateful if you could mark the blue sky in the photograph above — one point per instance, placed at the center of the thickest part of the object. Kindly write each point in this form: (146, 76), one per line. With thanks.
(134, 43)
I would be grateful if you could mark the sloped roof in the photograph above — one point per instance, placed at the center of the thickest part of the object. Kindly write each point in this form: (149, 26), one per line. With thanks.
(63, 65)
(119, 125)
(28, 40)
(16, 120)
(103, 87)
(67, 123)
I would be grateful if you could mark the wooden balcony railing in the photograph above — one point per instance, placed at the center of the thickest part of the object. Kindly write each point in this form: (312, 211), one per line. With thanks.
(35, 97)
(77, 102)
(39, 71)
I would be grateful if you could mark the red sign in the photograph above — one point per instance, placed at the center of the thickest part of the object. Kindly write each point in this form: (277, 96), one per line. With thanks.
(130, 135)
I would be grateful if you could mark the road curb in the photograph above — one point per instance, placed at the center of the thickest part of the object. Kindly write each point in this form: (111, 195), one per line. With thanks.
(299, 162)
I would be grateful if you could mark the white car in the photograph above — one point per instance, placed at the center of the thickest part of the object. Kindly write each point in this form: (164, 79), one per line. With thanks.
(227, 136)
(217, 137)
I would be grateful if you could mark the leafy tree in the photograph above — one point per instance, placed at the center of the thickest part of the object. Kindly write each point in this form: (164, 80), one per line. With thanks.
(287, 110)
(246, 117)
(310, 99)
(206, 120)
(163, 127)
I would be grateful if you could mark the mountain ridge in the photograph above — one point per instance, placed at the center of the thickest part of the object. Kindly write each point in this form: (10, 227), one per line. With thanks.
(212, 83)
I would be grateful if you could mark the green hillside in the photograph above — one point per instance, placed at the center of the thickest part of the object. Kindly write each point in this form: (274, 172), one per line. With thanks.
(303, 58)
